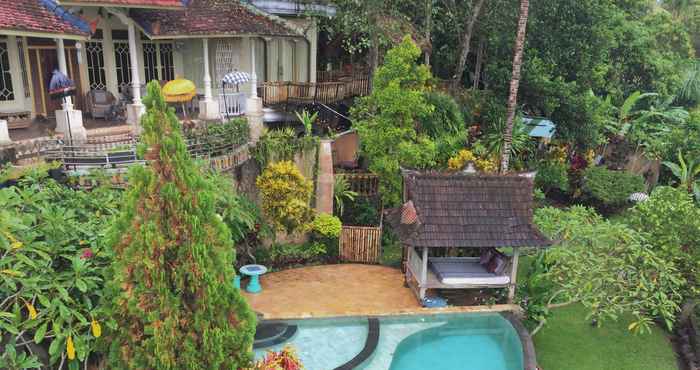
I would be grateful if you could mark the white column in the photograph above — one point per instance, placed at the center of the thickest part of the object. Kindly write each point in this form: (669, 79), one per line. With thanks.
(67, 101)
(313, 49)
(254, 106)
(69, 121)
(136, 109)
(424, 274)
(208, 108)
(4, 133)
(207, 76)
(513, 276)
(253, 75)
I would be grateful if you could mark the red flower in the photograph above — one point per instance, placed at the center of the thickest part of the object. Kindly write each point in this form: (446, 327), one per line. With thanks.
(87, 254)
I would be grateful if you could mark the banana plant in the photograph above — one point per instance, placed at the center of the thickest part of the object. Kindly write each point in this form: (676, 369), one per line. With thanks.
(307, 119)
(686, 174)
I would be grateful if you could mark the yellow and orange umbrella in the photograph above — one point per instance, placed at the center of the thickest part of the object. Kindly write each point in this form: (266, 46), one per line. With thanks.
(179, 90)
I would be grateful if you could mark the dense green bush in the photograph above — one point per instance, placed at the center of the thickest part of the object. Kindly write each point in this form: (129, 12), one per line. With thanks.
(552, 175)
(281, 145)
(671, 221)
(445, 119)
(362, 212)
(220, 138)
(169, 298)
(281, 256)
(286, 196)
(326, 229)
(51, 270)
(610, 188)
(610, 268)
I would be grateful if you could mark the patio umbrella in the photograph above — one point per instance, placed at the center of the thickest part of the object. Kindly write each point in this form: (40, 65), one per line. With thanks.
(233, 78)
(179, 90)
(60, 87)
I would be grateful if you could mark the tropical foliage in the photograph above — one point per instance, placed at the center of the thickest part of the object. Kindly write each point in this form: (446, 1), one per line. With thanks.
(610, 268)
(51, 270)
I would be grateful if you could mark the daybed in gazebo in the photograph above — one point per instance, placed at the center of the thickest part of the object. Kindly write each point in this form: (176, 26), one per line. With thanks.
(483, 212)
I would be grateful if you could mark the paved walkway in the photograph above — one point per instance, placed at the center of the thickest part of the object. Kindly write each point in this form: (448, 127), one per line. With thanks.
(341, 290)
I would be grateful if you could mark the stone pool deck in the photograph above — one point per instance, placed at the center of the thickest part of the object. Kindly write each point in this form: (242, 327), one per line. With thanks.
(343, 290)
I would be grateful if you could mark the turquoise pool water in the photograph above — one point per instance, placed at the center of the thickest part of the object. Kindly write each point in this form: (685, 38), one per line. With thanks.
(462, 343)
(434, 342)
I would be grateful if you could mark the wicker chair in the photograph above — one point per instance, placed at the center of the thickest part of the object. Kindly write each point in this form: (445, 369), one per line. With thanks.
(100, 103)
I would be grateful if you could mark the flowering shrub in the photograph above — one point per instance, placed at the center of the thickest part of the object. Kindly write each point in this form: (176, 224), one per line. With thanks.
(51, 269)
(465, 156)
(286, 359)
(286, 195)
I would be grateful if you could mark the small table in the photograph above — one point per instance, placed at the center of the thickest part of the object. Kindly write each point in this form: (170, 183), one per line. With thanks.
(253, 271)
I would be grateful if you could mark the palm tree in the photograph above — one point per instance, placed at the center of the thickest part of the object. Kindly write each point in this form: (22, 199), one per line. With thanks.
(514, 84)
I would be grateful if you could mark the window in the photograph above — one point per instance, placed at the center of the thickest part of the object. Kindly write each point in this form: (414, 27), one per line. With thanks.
(158, 61)
(7, 93)
(123, 65)
(96, 65)
(23, 67)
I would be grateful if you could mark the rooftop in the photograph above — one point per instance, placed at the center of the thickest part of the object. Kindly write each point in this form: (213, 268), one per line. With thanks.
(467, 210)
(211, 17)
(41, 17)
(129, 3)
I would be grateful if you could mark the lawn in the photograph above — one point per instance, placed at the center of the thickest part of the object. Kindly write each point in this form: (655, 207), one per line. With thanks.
(570, 342)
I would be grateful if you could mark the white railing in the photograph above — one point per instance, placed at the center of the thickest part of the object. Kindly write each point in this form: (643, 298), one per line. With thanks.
(232, 104)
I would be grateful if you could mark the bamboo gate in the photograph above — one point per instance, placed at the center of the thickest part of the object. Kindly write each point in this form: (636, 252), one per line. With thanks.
(362, 244)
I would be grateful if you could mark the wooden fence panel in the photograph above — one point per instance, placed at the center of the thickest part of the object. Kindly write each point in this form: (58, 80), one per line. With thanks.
(364, 184)
(360, 244)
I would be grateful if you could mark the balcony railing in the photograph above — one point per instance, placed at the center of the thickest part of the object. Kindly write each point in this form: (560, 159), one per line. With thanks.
(232, 104)
(326, 92)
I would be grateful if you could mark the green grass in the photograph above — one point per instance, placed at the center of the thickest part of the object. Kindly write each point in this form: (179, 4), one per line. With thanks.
(569, 342)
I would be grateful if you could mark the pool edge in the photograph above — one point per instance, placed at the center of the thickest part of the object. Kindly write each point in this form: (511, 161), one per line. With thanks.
(371, 343)
(529, 355)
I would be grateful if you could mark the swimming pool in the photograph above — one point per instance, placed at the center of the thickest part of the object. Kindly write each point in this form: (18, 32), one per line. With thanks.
(435, 342)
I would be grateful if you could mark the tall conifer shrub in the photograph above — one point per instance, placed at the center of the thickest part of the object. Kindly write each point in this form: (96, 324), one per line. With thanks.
(171, 299)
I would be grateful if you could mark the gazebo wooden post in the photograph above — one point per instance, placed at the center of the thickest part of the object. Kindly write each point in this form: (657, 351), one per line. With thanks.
(513, 275)
(424, 274)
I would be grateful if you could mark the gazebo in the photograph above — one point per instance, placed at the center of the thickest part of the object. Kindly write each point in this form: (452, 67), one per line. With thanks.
(465, 211)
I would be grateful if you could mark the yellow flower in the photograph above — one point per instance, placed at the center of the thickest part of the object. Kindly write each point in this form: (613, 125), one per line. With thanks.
(96, 328)
(31, 309)
(70, 348)
(16, 245)
(10, 272)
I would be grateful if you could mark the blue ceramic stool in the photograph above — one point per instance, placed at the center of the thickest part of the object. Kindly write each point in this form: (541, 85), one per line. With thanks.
(254, 271)
(237, 281)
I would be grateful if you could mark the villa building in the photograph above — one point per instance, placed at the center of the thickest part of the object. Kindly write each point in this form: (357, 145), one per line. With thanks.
(116, 46)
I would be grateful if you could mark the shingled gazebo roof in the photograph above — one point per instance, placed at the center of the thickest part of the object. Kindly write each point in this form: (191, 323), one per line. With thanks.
(467, 210)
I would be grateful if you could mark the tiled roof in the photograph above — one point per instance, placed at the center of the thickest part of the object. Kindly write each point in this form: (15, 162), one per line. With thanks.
(211, 17)
(40, 16)
(462, 210)
(129, 3)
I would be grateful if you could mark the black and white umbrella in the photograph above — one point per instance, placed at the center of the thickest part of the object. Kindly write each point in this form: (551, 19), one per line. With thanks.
(235, 78)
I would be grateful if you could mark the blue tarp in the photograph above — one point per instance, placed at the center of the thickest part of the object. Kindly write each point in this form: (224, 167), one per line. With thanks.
(540, 127)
